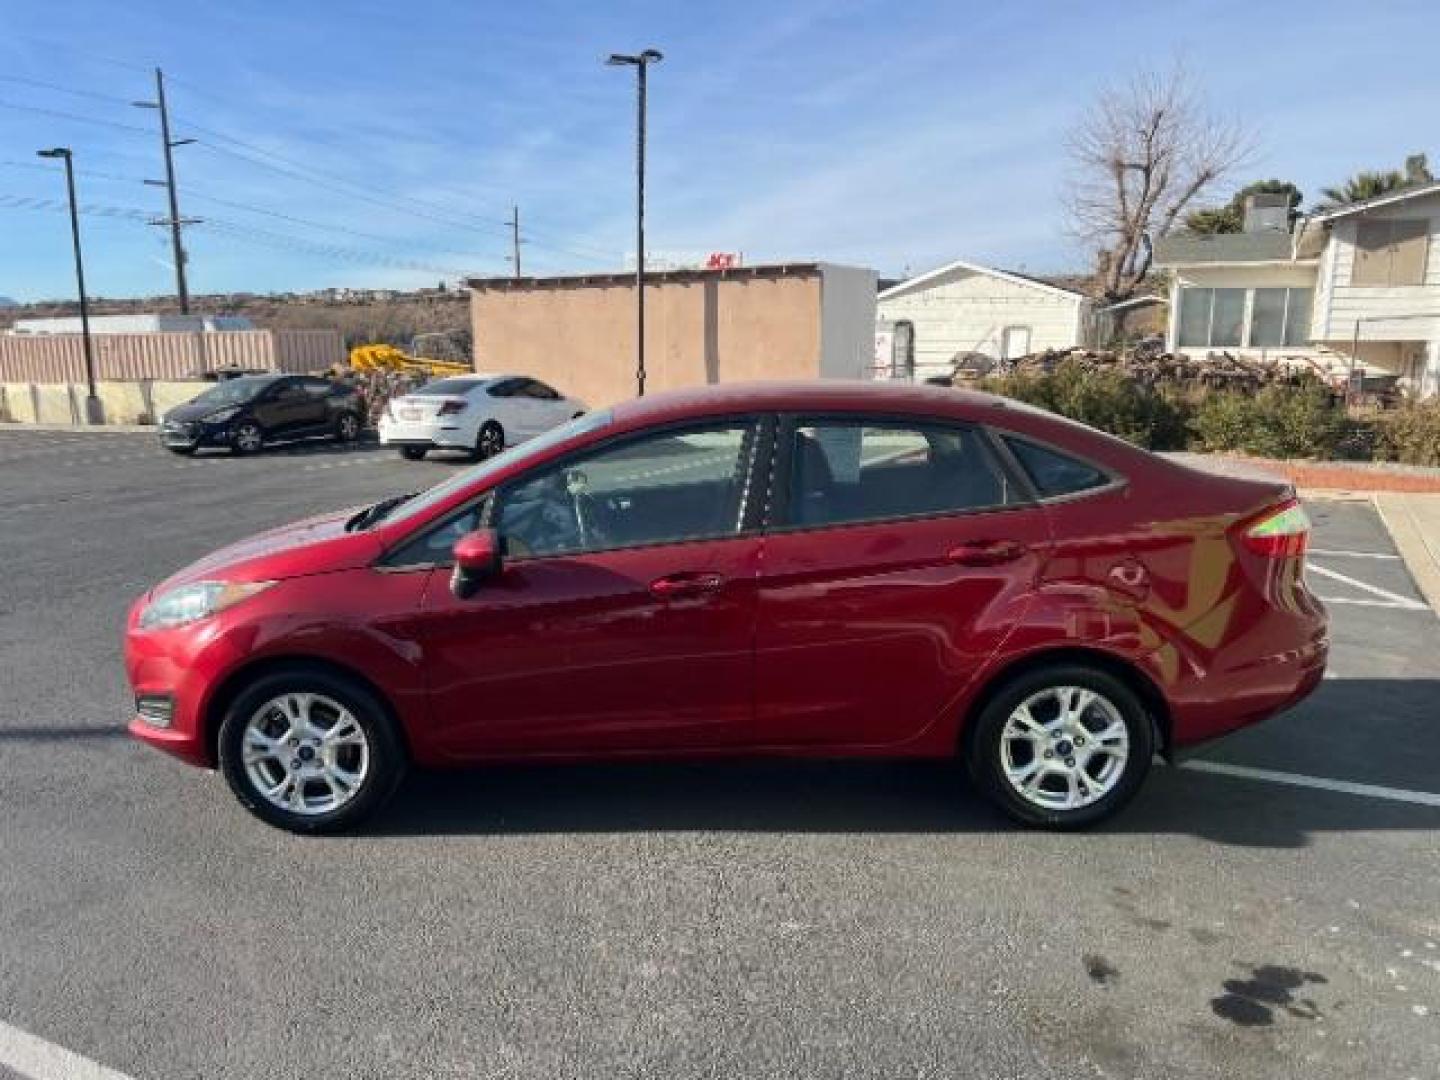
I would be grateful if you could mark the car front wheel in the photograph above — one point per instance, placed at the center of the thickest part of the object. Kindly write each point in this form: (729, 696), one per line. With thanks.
(247, 438)
(412, 453)
(310, 751)
(1062, 747)
(347, 427)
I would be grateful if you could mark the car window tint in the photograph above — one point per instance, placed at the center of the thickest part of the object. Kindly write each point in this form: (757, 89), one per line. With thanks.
(660, 488)
(1052, 472)
(848, 471)
(316, 387)
(435, 544)
(449, 386)
(504, 388)
(538, 390)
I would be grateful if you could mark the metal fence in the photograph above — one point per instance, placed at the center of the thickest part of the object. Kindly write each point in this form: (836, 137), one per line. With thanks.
(60, 358)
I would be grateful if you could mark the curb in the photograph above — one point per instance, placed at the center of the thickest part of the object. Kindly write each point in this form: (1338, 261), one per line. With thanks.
(1421, 556)
(97, 429)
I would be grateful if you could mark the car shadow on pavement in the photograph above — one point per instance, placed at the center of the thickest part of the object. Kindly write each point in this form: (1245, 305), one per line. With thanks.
(1346, 738)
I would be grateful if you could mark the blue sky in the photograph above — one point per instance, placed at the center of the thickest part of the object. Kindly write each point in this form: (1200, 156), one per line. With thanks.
(394, 137)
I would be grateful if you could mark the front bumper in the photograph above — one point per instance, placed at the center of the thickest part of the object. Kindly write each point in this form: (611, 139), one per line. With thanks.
(194, 434)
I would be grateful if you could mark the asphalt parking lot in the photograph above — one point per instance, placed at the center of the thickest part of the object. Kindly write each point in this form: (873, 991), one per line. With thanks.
(1270, 910)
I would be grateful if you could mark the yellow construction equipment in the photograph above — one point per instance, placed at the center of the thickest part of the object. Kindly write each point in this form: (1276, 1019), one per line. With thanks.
(384, 357)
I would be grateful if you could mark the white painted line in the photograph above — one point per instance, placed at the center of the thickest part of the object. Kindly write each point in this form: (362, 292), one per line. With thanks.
(1352, 554)
(37, 1059)
(1372, 603)
(1374, 590)
(1345, 787)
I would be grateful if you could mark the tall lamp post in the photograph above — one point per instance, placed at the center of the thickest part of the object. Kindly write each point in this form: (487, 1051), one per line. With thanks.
(93, 413)
(640, 62)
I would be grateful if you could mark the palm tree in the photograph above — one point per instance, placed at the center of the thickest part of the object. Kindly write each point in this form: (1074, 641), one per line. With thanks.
(1360, 187)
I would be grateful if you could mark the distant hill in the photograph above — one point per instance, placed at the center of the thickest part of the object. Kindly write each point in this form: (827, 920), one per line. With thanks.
(5, 301)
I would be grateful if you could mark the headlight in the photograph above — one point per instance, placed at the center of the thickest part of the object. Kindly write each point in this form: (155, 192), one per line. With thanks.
(198, 600)
(222, 416)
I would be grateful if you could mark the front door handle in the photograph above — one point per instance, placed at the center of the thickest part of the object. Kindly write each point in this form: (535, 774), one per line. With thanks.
(987, 552)
(686, 583)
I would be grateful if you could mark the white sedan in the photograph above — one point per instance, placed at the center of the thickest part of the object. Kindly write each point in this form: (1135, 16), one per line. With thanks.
(480, 414)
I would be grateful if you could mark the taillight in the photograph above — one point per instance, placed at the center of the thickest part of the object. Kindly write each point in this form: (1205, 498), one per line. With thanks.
(450, 408)
(1281, 532)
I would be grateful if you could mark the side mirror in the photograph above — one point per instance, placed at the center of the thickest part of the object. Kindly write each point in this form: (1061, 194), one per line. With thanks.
(477, 560)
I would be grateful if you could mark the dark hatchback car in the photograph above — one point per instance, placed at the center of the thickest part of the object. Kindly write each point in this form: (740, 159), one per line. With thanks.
(242, 415)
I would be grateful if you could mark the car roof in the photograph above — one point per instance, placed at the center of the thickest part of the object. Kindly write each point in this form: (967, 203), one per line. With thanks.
(811, 395)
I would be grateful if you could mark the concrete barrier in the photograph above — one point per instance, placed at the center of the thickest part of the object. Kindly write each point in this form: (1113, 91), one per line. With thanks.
(122, 402)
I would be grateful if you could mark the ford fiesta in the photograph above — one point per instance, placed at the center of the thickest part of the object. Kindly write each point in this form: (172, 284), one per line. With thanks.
(817, 569)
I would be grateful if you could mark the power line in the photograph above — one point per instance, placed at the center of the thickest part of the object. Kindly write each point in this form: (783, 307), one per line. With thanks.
(40, 84)
(72, 116)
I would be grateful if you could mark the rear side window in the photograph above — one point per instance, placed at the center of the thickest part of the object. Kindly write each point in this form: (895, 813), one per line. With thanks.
(1052, 472)
(850, 471)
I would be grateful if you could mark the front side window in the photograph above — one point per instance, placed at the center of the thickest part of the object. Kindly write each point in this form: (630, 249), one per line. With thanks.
(850, 471)
(664, 487)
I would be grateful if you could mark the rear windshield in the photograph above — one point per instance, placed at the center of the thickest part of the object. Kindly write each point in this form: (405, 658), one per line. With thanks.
(450, 386)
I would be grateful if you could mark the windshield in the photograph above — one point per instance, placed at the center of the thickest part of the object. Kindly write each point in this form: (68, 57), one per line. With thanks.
(476, 475)
(234, 391)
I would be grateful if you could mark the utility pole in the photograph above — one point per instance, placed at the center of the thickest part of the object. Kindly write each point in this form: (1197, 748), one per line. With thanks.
(640, 62)
(174, 221)
(93, 412)
(514, 224)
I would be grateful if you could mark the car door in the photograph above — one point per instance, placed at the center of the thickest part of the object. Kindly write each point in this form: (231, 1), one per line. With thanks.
(530, 409)
(624, 617)
(552, 408)
(284, 408)
(901, 556)
(507, 407)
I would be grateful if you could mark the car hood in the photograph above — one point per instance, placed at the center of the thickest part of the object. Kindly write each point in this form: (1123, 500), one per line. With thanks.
(192, 411)
(315, 545)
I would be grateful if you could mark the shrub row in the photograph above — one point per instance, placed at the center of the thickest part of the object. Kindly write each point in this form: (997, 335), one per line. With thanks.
(1303, 421)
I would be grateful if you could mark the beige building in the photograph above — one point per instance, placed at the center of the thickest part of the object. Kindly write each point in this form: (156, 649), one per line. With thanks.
(788, 321)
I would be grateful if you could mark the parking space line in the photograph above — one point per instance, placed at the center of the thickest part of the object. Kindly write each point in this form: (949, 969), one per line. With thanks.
(1345, 787)
(1330, 554)
(33, 1057)
(1391, 599)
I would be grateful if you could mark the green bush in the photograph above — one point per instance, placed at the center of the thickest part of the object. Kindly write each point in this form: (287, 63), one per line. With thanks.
(1109, 400)
(1277, 421)
(1409, 434)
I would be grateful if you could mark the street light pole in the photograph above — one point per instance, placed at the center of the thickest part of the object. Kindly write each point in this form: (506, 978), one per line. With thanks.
(640, 62)
(93, 412)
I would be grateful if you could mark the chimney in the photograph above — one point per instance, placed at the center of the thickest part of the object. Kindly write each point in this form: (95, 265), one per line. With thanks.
(1267, 213)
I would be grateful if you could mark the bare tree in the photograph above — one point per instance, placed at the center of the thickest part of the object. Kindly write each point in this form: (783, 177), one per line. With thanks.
(1142, 153)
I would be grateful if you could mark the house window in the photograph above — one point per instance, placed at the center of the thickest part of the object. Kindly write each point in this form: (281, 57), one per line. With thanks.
(1211, 317)
(1391, 252)
(1279, 317)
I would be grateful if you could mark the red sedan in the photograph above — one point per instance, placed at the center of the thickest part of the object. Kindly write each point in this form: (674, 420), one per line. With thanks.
(820, 569)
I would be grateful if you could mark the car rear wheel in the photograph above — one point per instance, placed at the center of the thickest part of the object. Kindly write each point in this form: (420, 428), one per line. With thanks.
(309, 751)
(412, 453)
(1062, 747)
(247, 438)
(490, 441)
(347, 427)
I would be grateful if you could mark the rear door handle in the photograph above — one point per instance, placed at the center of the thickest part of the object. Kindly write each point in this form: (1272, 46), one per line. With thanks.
(686, 583)
(987, 552)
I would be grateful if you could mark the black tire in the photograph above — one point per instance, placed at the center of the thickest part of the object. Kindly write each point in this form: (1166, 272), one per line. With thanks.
(241, 438)
(413, 453)
(183, 451)
(347, 427)
(489, 441)
(985, 756)
(387, 758)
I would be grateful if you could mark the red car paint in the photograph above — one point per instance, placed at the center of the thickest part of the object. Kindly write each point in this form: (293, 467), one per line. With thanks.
(876, 638)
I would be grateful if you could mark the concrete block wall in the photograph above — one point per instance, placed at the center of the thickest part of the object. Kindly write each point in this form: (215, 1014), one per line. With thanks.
(141, 401)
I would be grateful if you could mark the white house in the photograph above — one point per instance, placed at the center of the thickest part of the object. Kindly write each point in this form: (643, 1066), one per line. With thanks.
(964, 309)
(1355, 289)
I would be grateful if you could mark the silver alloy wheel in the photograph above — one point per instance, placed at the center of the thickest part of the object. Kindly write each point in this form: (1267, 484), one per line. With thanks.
(305, 753)
(349, 427)
(1064, 747)
(248, 438)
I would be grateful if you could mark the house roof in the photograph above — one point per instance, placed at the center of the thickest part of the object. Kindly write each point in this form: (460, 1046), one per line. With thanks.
(975, 268)
(1136, 301)
(1403, 195)
(1182, 249)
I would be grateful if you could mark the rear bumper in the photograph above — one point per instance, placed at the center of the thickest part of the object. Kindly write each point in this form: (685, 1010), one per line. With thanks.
(396, 434)
(1205, 705)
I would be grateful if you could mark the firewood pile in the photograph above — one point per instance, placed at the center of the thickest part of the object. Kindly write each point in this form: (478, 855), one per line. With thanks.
(1212, 370)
